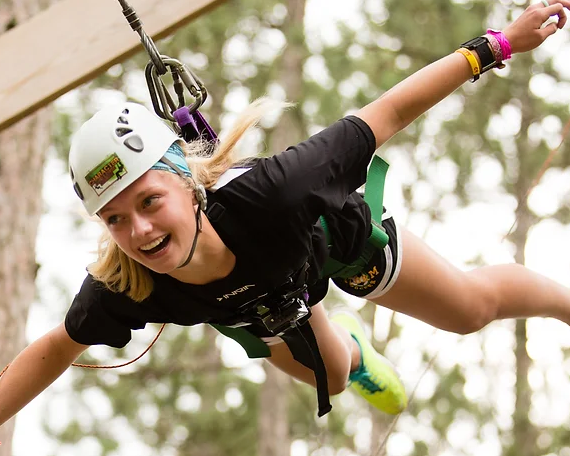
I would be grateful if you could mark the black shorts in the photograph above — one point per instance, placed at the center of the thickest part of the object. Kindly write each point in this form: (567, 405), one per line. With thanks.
(381, 272)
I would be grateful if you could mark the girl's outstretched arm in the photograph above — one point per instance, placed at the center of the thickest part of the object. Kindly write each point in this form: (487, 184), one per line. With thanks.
(35, 368)
(399, 106)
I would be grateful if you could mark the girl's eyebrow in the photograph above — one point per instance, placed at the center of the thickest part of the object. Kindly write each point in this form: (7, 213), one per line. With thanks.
(139, 195)
(105, 209)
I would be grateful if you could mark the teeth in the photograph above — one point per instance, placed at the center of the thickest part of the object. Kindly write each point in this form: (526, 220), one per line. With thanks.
(153, 244)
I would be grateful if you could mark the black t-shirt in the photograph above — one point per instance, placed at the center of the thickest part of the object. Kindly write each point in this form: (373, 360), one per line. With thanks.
(277, 201)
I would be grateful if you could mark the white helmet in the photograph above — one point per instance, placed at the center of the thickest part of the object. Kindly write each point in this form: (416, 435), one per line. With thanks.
(113, 149)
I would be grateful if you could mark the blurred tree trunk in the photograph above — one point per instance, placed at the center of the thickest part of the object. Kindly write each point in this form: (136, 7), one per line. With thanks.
(209, 358)
(524, 432)
(274, 434)
(22, 155)
(291, 128)
(274, 438)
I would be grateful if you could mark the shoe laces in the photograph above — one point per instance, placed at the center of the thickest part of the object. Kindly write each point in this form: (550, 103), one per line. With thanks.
(371, 383)
(368, 381)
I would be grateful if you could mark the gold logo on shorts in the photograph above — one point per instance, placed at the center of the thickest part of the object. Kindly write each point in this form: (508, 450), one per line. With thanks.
(363, 281)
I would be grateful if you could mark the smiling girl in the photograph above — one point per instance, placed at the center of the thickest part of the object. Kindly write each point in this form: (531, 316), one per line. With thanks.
(246, 245)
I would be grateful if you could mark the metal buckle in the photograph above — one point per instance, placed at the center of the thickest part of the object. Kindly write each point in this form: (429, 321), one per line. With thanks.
(278, 323)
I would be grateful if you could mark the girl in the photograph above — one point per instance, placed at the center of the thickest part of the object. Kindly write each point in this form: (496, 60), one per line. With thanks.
(248, 245)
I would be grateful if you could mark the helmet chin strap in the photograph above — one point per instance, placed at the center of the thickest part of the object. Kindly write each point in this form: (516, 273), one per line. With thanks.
(195, 241)
(201, 197)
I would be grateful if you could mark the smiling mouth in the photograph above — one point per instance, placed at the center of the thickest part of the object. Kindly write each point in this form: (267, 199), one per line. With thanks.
(155, 246)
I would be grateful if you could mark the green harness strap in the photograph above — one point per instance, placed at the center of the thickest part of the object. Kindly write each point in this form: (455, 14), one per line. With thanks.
(374, 197)
(253, 345)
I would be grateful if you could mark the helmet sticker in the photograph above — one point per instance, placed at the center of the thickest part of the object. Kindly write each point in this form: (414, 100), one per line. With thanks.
(106, 173)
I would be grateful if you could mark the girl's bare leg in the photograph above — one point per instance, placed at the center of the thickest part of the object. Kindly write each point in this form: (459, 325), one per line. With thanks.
(339, 351)
(431, 289)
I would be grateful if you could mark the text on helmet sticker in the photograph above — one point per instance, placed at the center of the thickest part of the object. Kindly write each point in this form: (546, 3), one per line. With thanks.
(106, 173)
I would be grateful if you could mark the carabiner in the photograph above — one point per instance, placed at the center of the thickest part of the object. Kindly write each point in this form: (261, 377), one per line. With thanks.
(162, 101)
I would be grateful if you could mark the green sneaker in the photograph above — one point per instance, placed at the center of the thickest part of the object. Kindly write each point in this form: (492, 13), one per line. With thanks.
(375, 379)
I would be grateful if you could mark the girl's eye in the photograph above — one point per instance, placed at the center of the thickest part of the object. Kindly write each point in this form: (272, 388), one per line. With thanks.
(148, 201)
(113, 220)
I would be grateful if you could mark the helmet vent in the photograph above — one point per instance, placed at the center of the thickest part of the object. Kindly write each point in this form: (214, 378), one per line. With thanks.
(123, 131)
(135, 143)
(126, 111)
(78, 191)
(122, 120)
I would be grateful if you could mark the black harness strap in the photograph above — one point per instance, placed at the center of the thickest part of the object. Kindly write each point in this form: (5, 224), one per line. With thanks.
(299, 337)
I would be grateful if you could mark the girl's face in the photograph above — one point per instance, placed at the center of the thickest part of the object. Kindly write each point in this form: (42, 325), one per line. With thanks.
(153, 220)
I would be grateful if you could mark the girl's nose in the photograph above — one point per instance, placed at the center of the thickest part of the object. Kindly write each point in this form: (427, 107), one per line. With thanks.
(140, 226)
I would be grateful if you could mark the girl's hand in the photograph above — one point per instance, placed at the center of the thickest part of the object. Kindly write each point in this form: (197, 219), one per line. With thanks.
(526, 34)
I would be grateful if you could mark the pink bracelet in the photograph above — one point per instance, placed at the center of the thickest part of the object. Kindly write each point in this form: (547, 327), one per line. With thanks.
(497, 51)
(506, 49)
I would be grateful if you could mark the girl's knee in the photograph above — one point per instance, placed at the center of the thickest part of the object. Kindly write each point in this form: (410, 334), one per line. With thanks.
(478, 308)
(471, 324)
(338, 369)
(337, 381)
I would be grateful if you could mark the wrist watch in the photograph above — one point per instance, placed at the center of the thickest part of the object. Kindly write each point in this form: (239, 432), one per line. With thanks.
(481, 45)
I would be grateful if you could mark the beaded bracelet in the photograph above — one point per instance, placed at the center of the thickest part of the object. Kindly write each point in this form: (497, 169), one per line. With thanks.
(506, 50)
(497, 50)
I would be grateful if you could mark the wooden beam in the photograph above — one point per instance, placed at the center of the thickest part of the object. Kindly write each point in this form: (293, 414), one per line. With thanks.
(72, 42)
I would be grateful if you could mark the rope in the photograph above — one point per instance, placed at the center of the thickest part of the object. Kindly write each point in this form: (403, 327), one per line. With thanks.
(136, 24)
(115, 366)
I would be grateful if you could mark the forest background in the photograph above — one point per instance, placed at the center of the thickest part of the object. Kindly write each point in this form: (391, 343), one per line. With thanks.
(459, 176)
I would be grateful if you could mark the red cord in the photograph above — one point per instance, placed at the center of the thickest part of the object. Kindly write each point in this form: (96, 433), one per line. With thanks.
(92, 366)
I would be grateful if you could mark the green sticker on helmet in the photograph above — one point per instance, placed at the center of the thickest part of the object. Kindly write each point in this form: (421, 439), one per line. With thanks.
(106, 173)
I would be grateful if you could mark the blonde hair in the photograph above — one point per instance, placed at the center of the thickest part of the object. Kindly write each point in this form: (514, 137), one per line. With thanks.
(120, 273)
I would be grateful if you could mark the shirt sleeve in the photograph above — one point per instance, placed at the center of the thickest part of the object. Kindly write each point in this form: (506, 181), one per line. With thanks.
(90, 320)
(317, 174)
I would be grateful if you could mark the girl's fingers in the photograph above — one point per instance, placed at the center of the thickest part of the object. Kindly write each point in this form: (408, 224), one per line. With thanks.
(562, 17)
(550, 29)
(556, 9)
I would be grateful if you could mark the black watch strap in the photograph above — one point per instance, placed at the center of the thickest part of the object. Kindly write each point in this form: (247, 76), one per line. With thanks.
(481, 45)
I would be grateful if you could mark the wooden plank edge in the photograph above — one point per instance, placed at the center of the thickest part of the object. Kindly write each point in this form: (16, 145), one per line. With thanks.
(11, 120)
